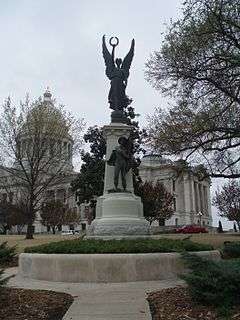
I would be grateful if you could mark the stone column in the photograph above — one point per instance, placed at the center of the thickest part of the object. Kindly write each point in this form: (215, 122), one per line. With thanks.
(201, 198)
(192, 194)
(206, 196)
(209, 205)
(117, 213)
(198, 197)
(187, 199)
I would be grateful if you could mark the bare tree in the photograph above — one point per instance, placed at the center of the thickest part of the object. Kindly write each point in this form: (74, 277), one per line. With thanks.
(198, 66)
(37, 143)
(227, 201)
(55, 214)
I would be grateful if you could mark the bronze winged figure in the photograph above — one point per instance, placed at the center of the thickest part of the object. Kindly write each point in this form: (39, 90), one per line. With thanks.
(118, 72)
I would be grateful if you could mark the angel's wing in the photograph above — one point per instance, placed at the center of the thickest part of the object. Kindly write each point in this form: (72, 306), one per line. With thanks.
(128, 59)
(107, 58)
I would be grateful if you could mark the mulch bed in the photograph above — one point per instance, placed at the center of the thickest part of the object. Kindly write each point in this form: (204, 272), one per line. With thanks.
(176, 304)
(23, 304)
(10, 264)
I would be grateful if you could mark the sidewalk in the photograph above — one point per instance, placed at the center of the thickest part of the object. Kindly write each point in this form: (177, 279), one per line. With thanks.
(100, 301)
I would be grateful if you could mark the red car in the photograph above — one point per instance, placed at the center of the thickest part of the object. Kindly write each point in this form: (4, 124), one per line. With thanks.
(191, 229)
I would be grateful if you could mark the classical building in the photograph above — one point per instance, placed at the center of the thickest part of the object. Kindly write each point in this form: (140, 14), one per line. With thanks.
(61, 188)
(192, 203)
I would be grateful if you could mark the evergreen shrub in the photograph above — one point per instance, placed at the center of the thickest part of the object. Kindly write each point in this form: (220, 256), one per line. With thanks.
(7, 254)
(231, 250)
(3, 280)
(215, 283)
(119, 246)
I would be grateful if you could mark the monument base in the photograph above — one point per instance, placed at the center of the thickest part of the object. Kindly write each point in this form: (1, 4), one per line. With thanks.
(119, 214)
(120, 227)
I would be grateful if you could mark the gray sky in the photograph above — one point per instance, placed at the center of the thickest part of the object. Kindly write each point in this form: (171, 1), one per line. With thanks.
(57, 43)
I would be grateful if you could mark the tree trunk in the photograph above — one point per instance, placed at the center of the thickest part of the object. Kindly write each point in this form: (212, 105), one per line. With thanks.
(29, 234)
(31, 218)
(53, 230)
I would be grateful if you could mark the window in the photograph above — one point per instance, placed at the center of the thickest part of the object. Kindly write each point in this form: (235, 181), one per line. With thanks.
(176, 222)
(10, 197)
(196, 196)
(3, 197)
(52, 148)
(61, 195)
(59, 148)
(24, 148)
(65, 149)
(174, 204)
(174, 185)
(69, 152)
(50, 195)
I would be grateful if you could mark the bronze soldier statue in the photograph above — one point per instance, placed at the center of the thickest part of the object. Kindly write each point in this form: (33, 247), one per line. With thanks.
(121, 158)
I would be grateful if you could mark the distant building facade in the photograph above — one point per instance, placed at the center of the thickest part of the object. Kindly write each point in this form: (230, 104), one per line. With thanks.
(59, 191)
(192, 202)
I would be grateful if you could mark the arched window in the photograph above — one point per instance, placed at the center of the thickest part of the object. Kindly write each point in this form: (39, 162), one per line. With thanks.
(174, 204)
(174, 185)
(59, 148)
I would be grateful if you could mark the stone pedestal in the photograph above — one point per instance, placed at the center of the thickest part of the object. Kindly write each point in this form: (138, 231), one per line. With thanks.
(117, 213)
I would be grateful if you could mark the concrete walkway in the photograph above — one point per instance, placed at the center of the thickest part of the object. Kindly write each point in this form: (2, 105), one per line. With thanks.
(100, 301)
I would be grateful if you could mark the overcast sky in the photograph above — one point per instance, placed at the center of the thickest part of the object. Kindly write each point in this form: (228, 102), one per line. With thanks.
(57, 43)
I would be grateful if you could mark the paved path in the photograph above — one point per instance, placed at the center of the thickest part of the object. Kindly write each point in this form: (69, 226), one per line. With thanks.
(101, 301)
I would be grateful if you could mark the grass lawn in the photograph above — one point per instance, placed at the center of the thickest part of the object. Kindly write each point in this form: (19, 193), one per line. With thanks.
(22, 243)
(216, 240)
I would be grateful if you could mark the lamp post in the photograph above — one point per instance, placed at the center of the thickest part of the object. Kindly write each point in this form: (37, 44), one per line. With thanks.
(200, 214)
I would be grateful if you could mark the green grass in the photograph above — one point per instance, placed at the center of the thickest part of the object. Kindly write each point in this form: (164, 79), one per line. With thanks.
(119, 246)
(216, 240)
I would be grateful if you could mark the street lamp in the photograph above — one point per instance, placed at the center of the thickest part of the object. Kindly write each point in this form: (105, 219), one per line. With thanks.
(200, 214)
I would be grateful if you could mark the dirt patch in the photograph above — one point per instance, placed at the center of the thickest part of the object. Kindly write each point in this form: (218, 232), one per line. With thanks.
(23, 304)
(175, 303)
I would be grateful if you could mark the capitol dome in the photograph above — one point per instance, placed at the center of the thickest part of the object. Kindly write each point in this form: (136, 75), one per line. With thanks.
(46, 129)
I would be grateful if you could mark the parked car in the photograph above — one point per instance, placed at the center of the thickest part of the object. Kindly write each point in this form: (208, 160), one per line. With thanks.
(191, 229)
(67, 233)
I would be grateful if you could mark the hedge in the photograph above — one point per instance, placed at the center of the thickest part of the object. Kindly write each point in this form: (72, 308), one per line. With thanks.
(119, 246)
